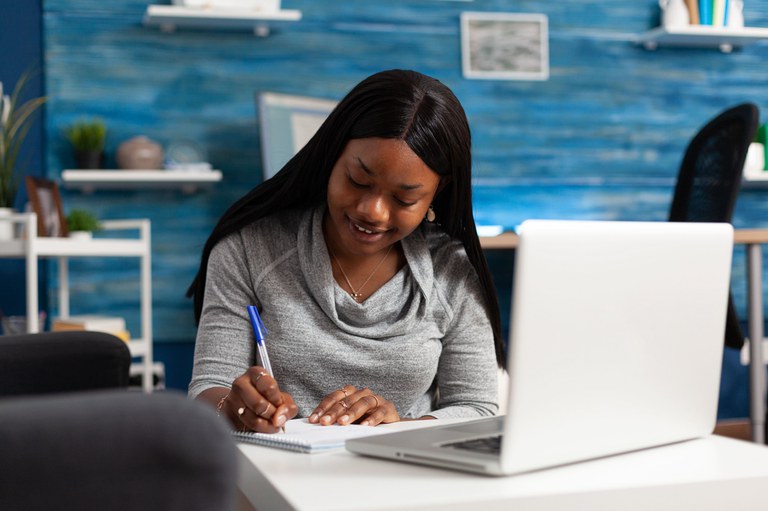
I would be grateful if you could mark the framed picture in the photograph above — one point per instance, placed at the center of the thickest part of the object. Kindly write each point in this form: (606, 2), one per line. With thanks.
(46, 203)
(287, 123)
(504, 46)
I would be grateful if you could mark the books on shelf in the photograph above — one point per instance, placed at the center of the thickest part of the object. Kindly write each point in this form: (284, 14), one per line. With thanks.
(114, 325)
(714, 12)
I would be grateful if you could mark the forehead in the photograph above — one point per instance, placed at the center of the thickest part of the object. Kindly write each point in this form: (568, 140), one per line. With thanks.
(388, 159)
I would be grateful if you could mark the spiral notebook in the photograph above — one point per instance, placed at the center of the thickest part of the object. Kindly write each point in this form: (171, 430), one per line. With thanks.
(301, 436)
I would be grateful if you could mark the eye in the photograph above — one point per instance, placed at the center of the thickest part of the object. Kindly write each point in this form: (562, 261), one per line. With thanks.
(405, 203)
(355, 183)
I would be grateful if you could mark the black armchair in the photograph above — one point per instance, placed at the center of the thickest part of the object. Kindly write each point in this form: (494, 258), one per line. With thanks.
(53, 362)
(117, 450)
(710, 179)
(72, 436)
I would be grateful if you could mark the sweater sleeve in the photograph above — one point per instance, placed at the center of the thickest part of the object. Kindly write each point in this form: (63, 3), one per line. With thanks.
(467, 371)
(224, 347)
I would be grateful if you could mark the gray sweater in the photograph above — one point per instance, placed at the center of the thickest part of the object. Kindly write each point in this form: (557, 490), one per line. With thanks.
(423, 340)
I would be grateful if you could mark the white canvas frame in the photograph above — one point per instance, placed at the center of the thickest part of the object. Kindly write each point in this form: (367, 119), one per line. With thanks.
(287, 123)
(504, 46)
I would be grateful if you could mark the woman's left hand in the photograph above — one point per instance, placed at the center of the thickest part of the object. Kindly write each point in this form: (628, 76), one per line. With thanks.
(349, 405)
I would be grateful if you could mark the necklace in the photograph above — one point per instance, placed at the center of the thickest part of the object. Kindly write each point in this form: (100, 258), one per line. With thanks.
(355, 293)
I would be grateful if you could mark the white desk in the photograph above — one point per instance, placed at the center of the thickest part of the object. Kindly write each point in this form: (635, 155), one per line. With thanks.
(712, 473)
(752, 239)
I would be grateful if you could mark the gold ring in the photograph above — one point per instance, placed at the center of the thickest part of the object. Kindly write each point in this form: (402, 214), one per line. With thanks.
(264, 410)
(262, 373)
(377, 401)
(344, 404)
(241, 410)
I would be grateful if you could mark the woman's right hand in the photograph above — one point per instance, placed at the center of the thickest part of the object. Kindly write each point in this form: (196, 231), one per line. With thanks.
(255, 403)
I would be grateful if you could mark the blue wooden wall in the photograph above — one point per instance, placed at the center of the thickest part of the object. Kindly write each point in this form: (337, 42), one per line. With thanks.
(601, 139)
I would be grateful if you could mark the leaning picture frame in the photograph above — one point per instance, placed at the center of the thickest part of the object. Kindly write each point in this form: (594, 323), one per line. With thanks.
(45, 198)
(504, 46)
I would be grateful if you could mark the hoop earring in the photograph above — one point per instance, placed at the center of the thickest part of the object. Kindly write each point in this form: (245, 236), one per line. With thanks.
(431, 214)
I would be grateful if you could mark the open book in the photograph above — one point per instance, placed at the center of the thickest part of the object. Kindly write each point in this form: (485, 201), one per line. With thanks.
(301, 436)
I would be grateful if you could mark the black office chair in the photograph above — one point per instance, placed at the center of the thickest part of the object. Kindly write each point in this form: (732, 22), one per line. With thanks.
(54, 362)
(710, 178)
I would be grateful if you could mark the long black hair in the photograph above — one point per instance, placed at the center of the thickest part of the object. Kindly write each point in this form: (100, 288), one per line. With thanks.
(395, 104)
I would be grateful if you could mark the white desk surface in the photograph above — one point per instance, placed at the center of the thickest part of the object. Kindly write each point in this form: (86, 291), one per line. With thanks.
(712, 473)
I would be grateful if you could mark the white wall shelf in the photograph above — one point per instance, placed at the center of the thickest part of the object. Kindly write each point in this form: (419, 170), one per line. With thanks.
(90, 180)
(702, 36)
(32, 248)
(170, 17)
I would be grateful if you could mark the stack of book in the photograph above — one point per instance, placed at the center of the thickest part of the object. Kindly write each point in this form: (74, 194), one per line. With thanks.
(714, 12)
(110, 324)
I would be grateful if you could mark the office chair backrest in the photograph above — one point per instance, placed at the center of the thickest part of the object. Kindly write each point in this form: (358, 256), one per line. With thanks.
(710, 174)
(52, 362)
(115, 450)
(710, 179)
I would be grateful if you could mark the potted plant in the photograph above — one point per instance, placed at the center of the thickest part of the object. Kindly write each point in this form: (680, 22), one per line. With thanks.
(88, 138)
(15, 121)
(82, 223)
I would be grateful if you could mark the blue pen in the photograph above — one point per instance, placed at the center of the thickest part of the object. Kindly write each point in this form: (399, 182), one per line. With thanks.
(260, 332)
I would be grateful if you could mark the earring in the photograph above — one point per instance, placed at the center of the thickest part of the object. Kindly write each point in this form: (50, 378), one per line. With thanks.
(431, 214)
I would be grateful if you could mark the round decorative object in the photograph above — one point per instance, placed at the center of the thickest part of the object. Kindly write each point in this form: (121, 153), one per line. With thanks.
(139, 153)
(185, 152)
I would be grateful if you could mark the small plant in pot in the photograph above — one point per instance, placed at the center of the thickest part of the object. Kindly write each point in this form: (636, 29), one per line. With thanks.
(88, 139)
(81, 224)
(16, 118)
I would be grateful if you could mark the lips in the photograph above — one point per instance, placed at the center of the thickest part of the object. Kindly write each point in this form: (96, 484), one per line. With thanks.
(364, 233)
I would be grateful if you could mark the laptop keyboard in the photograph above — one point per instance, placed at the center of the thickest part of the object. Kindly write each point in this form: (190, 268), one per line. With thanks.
(489, 444)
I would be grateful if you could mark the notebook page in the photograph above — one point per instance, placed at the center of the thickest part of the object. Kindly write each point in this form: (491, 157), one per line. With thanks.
(302, 436)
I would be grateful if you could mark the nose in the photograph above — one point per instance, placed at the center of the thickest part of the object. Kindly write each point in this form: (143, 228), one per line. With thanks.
(373, 208)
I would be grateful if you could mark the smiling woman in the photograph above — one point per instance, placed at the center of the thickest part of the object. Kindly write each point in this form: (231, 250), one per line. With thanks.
(363, 260)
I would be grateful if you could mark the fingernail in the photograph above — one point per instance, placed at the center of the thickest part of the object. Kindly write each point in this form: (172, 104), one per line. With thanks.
(326, 419)
(313, 418)
(280, 420)
(344, 418)
(364, 423)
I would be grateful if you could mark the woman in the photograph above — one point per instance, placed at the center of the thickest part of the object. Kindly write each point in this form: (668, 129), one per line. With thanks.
(363, 259)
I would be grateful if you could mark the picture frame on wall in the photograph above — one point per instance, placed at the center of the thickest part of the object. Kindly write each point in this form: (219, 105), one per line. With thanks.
(504, 46)
(287, 122)
(45, 198)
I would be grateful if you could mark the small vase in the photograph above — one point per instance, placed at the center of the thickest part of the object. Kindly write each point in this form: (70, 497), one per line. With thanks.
(81, 235)
(674, 13)
(6, 226)
(735, 14)
(140, 153)
(89, 159)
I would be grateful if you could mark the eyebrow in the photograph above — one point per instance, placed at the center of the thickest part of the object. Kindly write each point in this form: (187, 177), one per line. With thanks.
(402, 186)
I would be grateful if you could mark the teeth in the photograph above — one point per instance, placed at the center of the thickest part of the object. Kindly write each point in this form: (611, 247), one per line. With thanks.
(366, 231)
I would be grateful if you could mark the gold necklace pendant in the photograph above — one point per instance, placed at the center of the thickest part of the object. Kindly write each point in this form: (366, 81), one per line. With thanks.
(355, 293)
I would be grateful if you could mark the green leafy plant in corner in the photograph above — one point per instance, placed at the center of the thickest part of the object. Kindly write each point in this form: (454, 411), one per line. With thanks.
(81, 220)
(15, 120)
(87, 135)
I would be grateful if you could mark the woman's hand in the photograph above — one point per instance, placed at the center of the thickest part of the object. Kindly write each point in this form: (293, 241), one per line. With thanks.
(349, 405)
(256, 403)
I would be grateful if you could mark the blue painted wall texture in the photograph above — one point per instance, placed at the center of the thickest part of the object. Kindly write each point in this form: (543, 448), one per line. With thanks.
(601, 139)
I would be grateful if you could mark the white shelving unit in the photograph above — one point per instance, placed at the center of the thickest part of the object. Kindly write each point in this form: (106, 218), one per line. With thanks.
(90, 180)
(170, 17)
(32, 248)
(702, 36)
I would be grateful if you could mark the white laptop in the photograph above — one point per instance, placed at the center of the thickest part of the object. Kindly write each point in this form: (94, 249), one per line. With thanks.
(616, 345)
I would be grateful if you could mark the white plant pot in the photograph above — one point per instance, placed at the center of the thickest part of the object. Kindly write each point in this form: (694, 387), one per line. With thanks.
(6, 226)
(81, 235)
